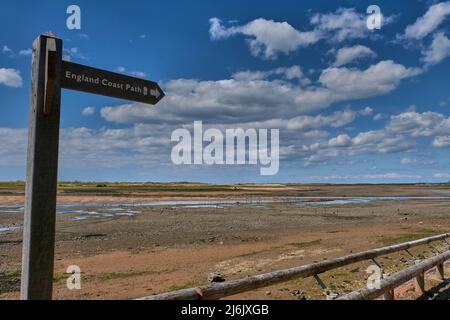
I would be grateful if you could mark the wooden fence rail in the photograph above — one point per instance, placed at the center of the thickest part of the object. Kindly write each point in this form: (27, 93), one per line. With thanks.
(387, 285)
(229, 288)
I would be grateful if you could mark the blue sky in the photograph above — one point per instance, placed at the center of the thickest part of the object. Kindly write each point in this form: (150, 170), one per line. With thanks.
(352, 105)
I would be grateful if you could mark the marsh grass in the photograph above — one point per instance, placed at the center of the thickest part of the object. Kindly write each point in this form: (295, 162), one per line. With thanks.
(303, 245)
(388, 241)
(124, 275)
(10, 281)
(57, 277)
(187, 285)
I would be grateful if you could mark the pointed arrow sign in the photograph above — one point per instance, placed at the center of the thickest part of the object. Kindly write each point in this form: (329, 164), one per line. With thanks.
(83, 78)
(155, 93)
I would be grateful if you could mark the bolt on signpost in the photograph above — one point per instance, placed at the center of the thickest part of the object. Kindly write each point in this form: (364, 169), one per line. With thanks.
(49, 74)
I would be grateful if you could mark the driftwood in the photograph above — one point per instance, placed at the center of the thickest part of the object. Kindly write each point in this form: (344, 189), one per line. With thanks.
(388, 284)
(229, 288)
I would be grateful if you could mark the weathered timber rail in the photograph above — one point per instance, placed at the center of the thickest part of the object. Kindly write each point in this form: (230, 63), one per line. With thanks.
(388, 284)
(229, 288)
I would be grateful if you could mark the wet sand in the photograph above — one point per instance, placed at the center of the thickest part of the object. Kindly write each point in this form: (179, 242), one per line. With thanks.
(124, 257)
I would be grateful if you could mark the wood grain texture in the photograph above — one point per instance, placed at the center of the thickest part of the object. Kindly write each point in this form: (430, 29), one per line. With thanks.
(397, 279)
(42, 171)
(441, 271)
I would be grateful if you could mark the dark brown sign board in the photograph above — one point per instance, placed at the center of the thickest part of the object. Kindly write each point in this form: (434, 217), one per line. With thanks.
(87, 79)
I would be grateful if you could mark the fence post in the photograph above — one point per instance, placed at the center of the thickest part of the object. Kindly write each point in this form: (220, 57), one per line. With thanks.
(42, 170)
(420, 283)
(389, 295)
(441, 271)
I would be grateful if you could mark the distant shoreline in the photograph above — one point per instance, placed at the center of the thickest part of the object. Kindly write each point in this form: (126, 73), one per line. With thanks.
(274, 184)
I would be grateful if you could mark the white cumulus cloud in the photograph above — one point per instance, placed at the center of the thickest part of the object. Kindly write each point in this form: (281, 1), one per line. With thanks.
(442, 142)
(442, 175)
(239, 98)
(6, 49)
(343, 24)
(380, 78)
(269, 38)
(26, 52)
(266, 38)
(407, 161)
(10, 78)
(349, 54)
(88, 111)
(429, 22)
(438, 51)
(139, 74)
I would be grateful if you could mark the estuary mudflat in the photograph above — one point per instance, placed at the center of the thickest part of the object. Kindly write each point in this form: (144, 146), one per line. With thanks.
(140, 239)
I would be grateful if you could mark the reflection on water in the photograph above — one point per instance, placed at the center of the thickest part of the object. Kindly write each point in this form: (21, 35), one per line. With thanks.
(347, 200)
(441, 191)
(11, 209)
(338, 202)
(202, 206)
(98, 210)
(80, 211)
(6, 229)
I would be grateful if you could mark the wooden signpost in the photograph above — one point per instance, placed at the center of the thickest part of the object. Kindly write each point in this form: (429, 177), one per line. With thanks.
(91, 80)
(49, 74)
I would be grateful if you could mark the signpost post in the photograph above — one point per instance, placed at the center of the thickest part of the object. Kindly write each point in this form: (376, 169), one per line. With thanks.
(42, 169)
(49, 74)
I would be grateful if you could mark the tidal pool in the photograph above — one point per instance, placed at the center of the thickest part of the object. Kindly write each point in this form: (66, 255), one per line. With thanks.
(99, 210)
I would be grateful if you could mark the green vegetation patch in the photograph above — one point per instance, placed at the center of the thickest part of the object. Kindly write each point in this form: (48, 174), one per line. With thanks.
(303, 245)
(341, 274)
(57, 277)
(255, 253)
(124, 275)
(9, 281)
(187, 285)
(388, 241)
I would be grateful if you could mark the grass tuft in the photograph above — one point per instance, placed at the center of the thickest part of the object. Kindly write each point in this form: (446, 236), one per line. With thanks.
(389, 241)
(303, 245)
(124, 275)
